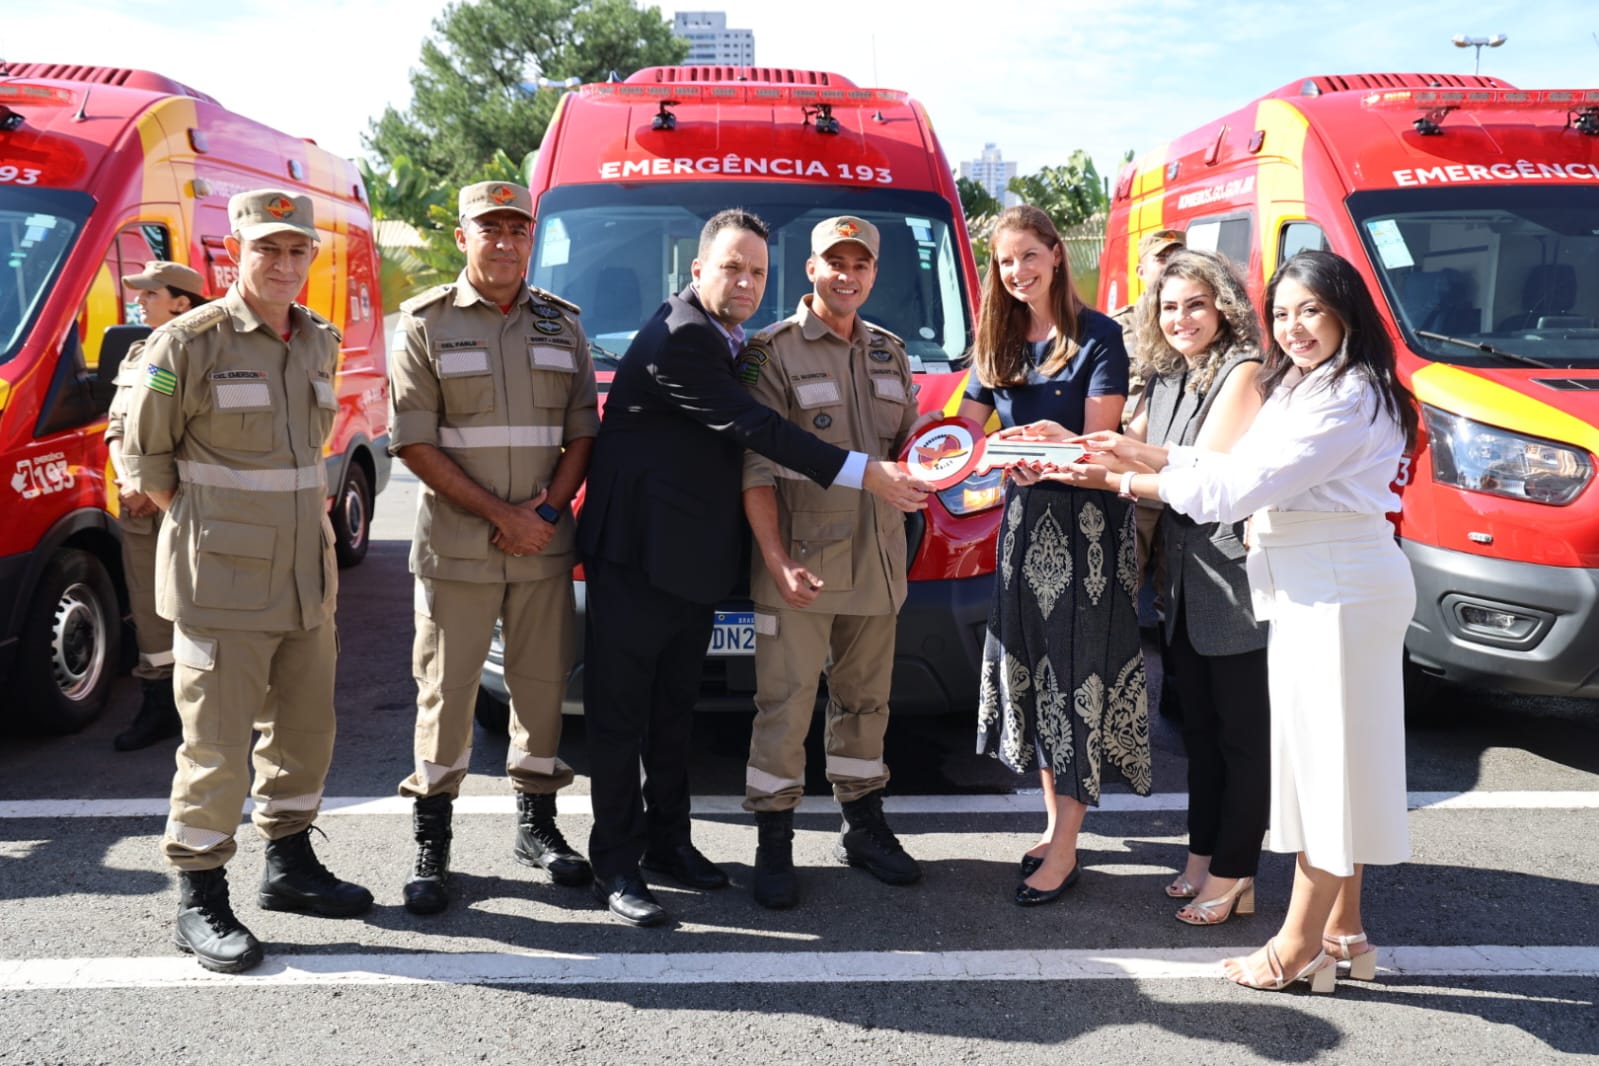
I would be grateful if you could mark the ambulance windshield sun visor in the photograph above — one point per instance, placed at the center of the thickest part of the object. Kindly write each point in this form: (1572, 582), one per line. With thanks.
(619, 250)
(37, 229)
(1507, 267)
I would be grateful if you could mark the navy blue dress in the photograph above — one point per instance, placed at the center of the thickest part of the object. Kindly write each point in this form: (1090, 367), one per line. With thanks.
(1063, 668)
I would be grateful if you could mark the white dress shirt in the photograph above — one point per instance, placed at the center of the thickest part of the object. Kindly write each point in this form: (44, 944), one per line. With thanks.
(1311, 448)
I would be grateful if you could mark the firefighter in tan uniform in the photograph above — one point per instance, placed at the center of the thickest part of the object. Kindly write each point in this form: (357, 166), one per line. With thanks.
(831, 573)
(165, 291)
(495, 412)
(225, 434)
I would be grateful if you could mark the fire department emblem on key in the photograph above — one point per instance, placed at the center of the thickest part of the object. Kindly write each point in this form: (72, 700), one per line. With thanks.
(944, 453)
(280, 207)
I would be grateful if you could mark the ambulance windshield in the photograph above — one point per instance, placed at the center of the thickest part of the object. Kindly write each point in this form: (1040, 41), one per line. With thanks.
(1509, 268)
(37, 228)
(618, 251)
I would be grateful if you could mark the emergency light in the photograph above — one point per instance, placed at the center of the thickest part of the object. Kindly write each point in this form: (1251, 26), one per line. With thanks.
(802, 95)
(1435, 104)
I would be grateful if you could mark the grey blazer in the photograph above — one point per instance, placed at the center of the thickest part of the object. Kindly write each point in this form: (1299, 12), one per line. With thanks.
(1205, 577)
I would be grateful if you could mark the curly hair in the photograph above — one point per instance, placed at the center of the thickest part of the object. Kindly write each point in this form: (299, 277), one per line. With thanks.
(1238, 325)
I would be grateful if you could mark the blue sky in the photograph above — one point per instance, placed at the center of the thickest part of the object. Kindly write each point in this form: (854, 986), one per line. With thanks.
(1035, 77)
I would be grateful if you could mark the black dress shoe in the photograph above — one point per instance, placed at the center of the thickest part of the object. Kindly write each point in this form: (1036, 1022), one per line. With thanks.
(629, 898)
(687, 866)
(1030, 865)
(1027, 896)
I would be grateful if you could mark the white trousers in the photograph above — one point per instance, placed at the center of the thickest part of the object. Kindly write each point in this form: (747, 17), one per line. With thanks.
(1338, 593)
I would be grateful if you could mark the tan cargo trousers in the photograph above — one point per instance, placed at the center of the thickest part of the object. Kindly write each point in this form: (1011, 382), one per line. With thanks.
(791, 650)
(454, 625)
(228, 683)
(153, 633)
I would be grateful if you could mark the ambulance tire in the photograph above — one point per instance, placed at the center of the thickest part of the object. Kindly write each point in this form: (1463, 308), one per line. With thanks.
(352, 516)
(68, 655)
(492, 713)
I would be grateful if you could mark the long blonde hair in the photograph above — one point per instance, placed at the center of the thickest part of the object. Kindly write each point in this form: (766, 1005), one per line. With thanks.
(999, 358)
(1238, 327)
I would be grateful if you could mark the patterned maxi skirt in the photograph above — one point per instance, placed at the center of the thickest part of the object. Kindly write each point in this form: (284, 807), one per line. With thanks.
(1063, 668)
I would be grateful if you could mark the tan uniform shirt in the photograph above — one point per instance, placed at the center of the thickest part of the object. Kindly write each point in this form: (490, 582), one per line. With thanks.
(500, 394)
(234, 417)
(858, 395)
(116, 427)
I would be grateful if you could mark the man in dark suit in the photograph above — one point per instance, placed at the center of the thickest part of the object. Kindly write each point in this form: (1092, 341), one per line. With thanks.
(660, 540)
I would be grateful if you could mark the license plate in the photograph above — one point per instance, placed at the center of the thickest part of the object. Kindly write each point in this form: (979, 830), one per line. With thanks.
(733, 633)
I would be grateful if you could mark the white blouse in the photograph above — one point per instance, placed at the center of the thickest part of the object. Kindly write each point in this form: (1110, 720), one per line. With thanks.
(1311, 448)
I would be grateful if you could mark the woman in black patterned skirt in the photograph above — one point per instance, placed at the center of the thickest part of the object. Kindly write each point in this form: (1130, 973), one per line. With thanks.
(1063, 670)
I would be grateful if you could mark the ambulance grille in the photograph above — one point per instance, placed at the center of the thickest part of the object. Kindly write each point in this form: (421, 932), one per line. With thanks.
(124, 77)
(763, 75)
(1570, 384)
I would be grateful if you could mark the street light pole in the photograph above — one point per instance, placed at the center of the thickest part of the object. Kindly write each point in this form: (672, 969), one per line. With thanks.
(1463, 41)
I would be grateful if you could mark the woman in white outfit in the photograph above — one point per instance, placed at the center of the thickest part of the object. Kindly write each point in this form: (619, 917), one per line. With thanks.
(1314, 474)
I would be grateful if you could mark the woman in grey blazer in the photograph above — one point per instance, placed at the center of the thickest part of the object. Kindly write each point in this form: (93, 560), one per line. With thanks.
(1198, 335)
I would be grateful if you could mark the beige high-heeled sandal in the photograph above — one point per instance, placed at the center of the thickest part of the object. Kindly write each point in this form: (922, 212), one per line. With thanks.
(1321, 972)
(1239, 899)
(1362, 964)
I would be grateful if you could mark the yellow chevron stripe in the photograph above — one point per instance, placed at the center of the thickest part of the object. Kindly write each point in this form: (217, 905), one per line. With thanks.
(1461, 392)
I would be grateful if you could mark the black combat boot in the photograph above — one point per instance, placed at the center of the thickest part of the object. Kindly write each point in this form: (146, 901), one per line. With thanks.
(294, 879)
(155, 721)
(866, 840)
(206, 927)
(428, 891)
(775, 884)
(539, 843)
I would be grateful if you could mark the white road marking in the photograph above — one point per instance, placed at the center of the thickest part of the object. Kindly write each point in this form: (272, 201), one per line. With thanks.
(718, 968)
(986, 804)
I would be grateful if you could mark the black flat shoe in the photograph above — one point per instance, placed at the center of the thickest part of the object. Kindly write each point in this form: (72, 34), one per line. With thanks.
(1030, 865)
(686, 865)
(627, 897)
(1027, 896)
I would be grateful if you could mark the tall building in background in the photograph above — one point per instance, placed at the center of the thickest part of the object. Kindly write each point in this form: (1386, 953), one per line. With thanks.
(710, 42)
(992, 173)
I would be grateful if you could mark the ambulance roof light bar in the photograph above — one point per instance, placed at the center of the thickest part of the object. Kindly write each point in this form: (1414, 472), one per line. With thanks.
(712, 93)
(1580, 105)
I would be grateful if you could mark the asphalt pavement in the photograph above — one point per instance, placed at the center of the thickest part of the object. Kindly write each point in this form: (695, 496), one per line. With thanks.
(1489, 936)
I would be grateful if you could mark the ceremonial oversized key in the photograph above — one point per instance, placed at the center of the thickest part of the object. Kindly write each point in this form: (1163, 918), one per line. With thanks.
(950, 450)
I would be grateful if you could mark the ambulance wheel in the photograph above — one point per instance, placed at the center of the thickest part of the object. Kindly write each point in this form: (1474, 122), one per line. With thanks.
(352, 516)
(67, 657)
(492, 713)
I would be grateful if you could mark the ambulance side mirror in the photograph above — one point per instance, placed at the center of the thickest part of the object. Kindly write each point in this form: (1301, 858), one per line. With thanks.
(114, 345)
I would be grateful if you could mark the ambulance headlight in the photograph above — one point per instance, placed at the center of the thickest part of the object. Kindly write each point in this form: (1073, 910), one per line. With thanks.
(1481, 458)
(980, 492)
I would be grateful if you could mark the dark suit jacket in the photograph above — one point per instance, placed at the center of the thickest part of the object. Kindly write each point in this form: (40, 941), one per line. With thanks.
(665, 486)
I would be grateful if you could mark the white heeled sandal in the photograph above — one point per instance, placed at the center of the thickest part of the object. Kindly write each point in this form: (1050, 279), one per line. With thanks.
(1240, 899)
(1321, 972)
(1362, 964)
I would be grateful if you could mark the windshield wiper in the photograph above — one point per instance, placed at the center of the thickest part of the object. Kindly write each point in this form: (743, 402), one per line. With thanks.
(1515, 357)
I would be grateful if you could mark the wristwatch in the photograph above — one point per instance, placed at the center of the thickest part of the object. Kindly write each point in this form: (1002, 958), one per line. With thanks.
(548, 513)
(1125, 491)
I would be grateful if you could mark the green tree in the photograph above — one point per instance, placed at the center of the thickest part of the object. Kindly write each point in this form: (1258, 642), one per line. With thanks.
(976, 200)
(1068, 195)
(468, 99)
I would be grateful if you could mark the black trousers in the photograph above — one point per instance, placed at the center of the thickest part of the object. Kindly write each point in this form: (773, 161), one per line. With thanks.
(1226, 724)
(642, 659)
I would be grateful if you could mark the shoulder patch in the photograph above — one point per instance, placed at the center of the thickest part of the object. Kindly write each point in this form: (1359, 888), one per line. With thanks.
(751, 361)
(193, 323)
(424, 299)
(550, 297)
(879, 333)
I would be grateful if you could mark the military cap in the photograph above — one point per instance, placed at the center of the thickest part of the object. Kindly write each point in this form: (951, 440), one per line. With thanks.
(263, 212)
(488, 196)
(161, 274)
(831, 231)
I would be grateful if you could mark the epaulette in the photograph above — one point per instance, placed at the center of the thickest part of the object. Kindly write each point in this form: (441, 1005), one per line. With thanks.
(426, 299)
(873, 327)
(772, 331)
(322, 323)
(550, 297)
(193, 323)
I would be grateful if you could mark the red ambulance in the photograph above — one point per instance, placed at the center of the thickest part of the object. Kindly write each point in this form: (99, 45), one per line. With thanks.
(629, 172)
(1472, 210)
(102, 169)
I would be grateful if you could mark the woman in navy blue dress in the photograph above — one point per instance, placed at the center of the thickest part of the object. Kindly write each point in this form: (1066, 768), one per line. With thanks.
(1063, 670)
